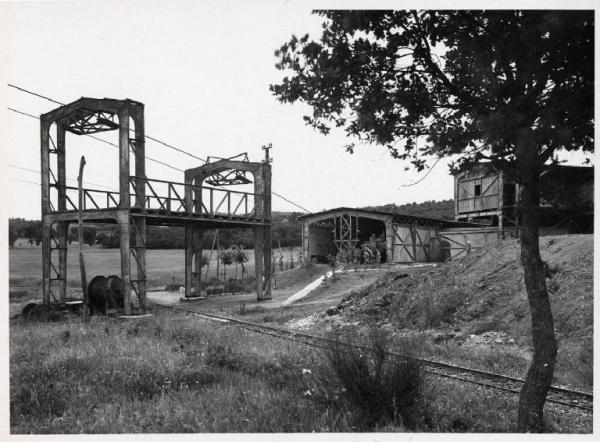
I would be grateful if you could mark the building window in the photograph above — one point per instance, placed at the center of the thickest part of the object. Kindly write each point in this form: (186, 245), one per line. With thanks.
(477, 189)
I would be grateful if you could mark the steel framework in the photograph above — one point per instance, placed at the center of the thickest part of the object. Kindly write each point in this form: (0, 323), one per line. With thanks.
(141, 201)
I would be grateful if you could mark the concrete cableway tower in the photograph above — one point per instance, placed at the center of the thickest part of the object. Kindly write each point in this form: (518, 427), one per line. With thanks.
(141, 201)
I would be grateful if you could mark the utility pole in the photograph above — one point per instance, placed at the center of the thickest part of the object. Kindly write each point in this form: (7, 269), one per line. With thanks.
(80, 239)
(268, 159)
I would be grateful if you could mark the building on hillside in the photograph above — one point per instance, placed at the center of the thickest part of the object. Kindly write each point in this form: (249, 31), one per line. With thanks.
(485, 209)
(490, 197)
(407, 238)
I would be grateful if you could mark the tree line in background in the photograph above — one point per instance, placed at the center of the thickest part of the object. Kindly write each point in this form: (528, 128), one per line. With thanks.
(286, 233)
(286, 229)
(443, 209)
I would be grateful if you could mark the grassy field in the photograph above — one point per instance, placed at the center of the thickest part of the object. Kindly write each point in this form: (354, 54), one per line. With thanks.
(179, 373)
(25, 265)
(175, 373)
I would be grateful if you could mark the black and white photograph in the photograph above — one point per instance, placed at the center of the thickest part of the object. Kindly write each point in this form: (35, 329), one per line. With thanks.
(362, 220)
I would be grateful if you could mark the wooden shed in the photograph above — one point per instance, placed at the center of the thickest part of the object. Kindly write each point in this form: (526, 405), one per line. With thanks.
(487, 196)
(407, 238)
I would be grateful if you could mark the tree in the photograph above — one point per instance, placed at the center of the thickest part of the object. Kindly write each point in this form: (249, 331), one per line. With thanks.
(226, 258)
(12, 236)
(33, 232)
(240, 257)
(509, 87)
(89, 236)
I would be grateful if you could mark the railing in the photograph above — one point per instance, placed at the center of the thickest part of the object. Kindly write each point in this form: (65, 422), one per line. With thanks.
(168, 197)
(92, 199)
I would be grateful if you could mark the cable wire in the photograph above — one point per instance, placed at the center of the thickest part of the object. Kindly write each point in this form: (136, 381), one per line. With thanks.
(291, 202)
(146, 136)
(131, 130)
(102, 140)
(68, 179)
(24, 181)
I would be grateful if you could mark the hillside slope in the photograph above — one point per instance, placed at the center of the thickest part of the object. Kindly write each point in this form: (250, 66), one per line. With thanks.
(443, 209)
(483, 296)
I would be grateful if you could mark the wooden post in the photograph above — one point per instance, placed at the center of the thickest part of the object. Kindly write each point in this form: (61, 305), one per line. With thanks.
(140, 201)
(46, 258)
(267, 267)
(139, 241)
(140, 156)
(63, 227)
(63, 232)
(124, 202)
(124, 235)
(188, 193)
(197, 196)
(259, 259)
(197, 243)
(189, 254)
(46, 223)
(60, 166)
(267, 232)
(80, 239)
(389, 240)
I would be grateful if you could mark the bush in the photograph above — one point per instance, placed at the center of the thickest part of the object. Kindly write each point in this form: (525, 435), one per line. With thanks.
(383, 387)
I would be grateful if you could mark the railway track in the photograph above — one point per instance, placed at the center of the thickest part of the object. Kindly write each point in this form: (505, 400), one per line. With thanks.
(511, 385)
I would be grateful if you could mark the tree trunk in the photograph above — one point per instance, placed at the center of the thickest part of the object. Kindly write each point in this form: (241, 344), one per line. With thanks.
(540, 373)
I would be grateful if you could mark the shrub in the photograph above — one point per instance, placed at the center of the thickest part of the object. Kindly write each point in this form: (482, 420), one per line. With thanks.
(382, 386)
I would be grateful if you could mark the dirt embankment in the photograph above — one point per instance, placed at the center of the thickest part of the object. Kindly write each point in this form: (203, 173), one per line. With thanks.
(483, 296)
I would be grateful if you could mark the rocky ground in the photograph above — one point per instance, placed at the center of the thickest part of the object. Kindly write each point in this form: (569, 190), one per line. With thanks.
(476, 307)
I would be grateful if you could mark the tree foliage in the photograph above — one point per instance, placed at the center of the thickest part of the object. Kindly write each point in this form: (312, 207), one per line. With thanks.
(30, 230)
(467, 83)
(12, 236)
(510, 87)
(89, 236)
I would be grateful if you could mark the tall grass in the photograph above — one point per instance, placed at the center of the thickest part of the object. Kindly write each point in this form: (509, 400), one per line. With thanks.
(171, 373)
(384, 387)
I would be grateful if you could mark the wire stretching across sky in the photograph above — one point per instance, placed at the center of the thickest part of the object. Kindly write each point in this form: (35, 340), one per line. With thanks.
(146, 136)
(131, 130)
(12, 166)
(103, 141)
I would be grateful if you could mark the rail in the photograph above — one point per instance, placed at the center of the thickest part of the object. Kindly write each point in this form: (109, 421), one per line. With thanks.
(557, 395)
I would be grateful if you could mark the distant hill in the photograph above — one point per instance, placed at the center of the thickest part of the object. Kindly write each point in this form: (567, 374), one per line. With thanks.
(433, 209)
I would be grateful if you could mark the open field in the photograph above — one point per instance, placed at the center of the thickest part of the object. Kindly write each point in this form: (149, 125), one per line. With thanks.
(25, 264)
(176, 373)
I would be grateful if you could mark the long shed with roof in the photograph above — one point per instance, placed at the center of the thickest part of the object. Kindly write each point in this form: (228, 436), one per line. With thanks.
(408, 238)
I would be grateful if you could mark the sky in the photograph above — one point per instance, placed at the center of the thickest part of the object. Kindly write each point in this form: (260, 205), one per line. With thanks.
(202, 70)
